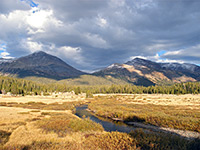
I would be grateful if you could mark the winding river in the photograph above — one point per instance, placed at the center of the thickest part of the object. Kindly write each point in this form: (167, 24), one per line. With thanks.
(82, 111)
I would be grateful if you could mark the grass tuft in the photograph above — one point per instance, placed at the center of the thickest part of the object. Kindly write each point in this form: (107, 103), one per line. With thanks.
(111, 141)
(4, 137)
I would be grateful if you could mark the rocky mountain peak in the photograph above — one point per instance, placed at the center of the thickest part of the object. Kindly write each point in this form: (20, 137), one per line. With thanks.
(139, 61)
(145, 72)
(40, 64)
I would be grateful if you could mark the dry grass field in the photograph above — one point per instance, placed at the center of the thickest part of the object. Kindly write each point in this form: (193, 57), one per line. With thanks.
(173, 111)
(19, 117)
(55, 98)
(47, 122)
(157, 99)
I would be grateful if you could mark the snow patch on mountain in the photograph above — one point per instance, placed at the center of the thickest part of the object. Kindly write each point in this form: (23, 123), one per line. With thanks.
(177, 66)
(114, 66)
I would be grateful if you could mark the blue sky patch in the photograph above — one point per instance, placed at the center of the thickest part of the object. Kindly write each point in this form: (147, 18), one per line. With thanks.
(31, 3)
(2, 47)
(161, 52)
(1, 51)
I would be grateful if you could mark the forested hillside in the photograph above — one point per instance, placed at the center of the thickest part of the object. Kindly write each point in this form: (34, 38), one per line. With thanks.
(24, 87)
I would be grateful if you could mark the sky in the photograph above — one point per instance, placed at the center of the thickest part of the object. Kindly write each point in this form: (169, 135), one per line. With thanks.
(92, 34)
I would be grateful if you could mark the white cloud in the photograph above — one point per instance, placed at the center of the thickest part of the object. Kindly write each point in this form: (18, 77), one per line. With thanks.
(133, 57)
(38, 19)
(173, 53)
(71, 53)
(5, 55)
(188, 55)
(33, 46)
(41, 18)
(98, 33)
(158, 59)
(96, 41)
(102, 22)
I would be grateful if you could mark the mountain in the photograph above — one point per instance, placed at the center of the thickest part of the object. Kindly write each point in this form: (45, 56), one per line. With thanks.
(39, 64)
(145, 72)
(41, 67)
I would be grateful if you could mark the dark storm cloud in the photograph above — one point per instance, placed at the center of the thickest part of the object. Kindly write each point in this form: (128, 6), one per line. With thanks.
(109, 31)
(73, 10)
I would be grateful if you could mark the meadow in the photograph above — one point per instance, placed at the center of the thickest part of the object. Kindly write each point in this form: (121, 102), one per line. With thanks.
(171, 111)
(48, 123)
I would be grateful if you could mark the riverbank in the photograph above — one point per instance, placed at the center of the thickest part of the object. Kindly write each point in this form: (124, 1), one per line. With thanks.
(182, 133)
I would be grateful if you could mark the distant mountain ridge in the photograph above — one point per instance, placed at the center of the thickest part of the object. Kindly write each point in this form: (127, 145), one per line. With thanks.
(39, 64)
(3, 60)
(145, 72)
(137, 71)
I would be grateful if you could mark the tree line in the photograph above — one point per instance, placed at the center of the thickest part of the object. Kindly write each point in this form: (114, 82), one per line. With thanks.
(26, 87)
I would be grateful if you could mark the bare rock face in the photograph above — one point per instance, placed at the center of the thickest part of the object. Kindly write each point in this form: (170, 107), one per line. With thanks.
(39, 64)
(145, 72)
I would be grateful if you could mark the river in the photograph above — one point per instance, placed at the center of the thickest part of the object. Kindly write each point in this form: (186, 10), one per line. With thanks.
(108, 125)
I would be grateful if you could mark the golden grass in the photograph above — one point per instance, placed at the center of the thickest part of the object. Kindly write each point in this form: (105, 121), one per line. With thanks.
(110, 141)
(156, 99)
(44, 106)
(152, 111)
(54, 98)
(60, 131)
(63, 124)
(31, 137)
(52, 127)
(43, 129)
(11, 118)
(29, 134)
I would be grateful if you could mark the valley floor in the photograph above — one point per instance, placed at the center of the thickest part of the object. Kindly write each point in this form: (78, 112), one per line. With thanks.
(48, 122)
(173, 111)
